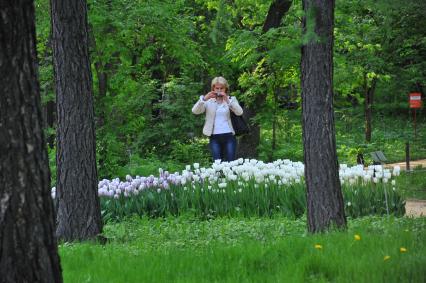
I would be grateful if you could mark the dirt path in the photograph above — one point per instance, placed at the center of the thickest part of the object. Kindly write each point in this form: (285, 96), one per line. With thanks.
(413, 207)
(413, 164)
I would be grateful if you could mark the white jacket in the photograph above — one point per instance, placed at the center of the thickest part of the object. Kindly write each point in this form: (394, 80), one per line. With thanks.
(209, 107)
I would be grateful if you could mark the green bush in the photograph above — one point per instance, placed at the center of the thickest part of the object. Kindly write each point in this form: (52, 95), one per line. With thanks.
(195, 151)
(139, 166)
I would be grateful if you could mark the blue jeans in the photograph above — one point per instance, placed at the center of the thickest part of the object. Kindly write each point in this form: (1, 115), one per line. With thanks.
(223, 146)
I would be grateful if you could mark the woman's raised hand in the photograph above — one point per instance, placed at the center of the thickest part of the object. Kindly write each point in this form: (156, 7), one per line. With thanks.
(209, 95)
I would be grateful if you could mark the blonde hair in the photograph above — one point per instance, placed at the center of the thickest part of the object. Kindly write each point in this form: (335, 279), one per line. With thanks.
(220, 80)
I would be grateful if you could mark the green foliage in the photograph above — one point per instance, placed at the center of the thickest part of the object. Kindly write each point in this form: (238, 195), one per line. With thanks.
(157, 57)
(208, 203)
(390, 134)
(358, 50)
(111, 154)
(151, 66)
(289, 132)
(175, 121)
(44, 51)
(52, 164)
(195, 151)
(374, 199)
(381, 39)
(122, 162)
(138, 166)
(267, 62)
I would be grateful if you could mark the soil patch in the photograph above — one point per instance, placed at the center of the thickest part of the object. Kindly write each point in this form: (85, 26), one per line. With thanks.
(413, 164)
(415, 208)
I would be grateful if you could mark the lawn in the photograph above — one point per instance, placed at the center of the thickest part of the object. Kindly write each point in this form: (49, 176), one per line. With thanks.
(185, 249)
(413, 184)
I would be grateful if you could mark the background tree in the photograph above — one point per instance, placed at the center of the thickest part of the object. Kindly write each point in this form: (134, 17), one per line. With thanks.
(324, 196)
(248, 144)
(148, 53)
(28, 248)
(359, 56)
(79, 215)
(379, 55)
(266, 59)
(404, 51)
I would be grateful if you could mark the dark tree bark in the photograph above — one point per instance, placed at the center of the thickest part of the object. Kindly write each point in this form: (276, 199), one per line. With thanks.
(102, 78)
(276, 12)
(368, 106)
(50, 118)
(49, 108)
(248, 144)
(79, 215)
(324, 196)
(28, 247)
(420, 88)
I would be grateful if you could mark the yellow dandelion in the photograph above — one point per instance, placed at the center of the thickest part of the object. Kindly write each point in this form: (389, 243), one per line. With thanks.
(357, 237)
(318, 246)
(386, 257)
(402, 250)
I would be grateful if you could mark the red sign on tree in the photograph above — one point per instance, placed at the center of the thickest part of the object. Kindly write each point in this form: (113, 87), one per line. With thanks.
(415, 100)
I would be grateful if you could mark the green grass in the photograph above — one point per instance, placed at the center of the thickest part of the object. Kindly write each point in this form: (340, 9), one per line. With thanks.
(412, 184)
(250, 250)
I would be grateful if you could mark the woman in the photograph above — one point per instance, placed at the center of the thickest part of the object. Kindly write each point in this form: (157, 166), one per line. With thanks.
(218, 127)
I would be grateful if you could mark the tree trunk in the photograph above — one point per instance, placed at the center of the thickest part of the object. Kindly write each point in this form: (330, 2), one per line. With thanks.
(275, 14)
(102, 78)
(274, 138)
(274, 126)
(248, 144)
(79, 215)
(324, 196)
(49, 107)
(28, 247)
(419, 88)
(368, 108)
(49, 110)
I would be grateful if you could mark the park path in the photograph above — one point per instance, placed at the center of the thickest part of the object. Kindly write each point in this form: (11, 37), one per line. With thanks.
(413, 164)
(413, 207)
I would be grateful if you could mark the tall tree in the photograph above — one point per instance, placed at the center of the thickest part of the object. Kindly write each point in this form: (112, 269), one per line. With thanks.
(324, 195)
(248, 144)
(369, 90)
(79, 215)
(28, 248)
(358, 53)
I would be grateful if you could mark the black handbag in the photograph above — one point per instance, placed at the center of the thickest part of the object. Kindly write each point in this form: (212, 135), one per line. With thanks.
(239, 124)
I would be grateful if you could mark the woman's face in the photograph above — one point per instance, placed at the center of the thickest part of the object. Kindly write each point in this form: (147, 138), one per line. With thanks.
(218, 87)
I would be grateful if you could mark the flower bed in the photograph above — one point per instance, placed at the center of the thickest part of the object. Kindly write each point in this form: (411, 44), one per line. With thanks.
(245, 187)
